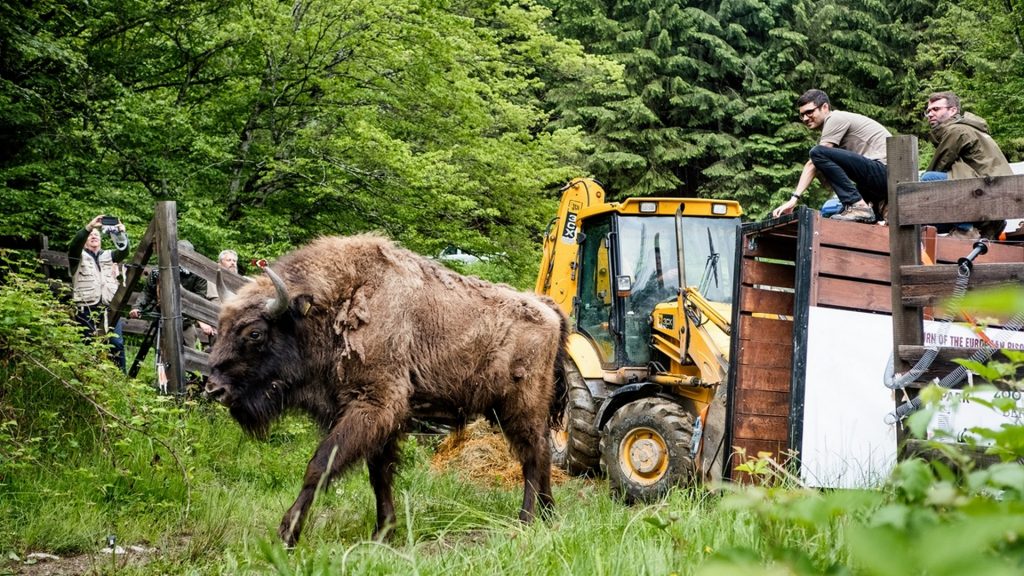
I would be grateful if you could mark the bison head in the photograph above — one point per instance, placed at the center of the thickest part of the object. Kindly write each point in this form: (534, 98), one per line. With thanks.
(255, 359)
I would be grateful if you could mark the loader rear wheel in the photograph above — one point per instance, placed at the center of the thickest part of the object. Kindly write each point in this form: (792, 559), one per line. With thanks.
(646, 449)
(575, 442)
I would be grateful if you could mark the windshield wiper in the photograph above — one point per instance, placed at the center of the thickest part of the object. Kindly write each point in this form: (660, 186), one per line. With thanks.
(710, 266)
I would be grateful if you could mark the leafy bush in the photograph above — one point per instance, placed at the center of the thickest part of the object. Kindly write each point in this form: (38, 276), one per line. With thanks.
(72, 425)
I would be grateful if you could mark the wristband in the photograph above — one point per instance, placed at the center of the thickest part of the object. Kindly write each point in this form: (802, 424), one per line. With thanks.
(796, 196)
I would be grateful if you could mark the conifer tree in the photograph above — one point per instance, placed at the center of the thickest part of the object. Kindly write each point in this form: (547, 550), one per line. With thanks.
(710, 86)
(708, 103)
(976, 49)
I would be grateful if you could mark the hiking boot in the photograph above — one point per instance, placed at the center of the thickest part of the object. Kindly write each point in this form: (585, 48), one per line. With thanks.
(852, 213)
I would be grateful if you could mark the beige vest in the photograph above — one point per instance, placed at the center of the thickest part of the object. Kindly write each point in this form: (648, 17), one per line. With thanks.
(94, 285)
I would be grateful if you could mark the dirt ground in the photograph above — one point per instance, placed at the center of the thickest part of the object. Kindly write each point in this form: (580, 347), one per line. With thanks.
(102, 561)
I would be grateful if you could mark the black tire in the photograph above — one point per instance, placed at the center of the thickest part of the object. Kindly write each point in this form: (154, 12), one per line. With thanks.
(645, 449)
(575, 442)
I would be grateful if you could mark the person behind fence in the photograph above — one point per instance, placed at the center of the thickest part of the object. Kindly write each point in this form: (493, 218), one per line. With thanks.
(850, 157)
(227, 260)
(95, 278)
(963, 149)
(150, 298)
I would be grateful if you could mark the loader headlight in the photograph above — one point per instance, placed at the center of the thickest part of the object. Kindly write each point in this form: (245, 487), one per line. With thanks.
(623, 284)
(719, 209)
(648, 207)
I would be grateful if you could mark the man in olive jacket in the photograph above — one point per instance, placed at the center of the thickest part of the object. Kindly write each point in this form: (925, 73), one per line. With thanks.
(963, 149)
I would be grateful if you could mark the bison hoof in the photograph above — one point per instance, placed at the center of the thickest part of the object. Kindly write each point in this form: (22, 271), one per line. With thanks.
(288, 538)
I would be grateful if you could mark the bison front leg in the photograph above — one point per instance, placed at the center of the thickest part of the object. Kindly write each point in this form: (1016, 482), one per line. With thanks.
(358, 434)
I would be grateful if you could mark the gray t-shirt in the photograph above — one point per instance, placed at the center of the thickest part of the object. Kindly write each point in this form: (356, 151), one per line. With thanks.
(856, 133)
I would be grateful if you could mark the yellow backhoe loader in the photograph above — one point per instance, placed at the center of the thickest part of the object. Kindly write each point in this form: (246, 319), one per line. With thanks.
(644, 383)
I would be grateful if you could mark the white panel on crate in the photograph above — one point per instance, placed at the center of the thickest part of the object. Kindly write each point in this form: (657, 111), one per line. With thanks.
(956, 417)
(846, 443)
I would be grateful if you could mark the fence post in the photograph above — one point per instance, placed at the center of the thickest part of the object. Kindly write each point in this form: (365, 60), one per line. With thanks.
(171, 348)
(904, 249)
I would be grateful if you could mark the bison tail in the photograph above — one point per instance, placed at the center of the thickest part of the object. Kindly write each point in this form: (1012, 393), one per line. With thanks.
(561, 392)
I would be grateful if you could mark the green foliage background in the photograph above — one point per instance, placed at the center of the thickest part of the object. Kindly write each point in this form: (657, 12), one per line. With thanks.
(453, 122)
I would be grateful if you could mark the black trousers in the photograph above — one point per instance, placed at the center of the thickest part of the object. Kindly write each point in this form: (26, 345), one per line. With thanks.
(852, 176)
(94, 322)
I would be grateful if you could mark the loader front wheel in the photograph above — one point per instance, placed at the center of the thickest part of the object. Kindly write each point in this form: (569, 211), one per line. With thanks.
(575, 443)
(645, 449)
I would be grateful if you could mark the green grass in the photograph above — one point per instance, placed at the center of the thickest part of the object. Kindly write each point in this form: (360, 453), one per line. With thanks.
(221, 517)
(217, 513)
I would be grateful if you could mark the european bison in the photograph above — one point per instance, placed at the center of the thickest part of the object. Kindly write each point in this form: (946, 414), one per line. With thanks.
(364, 336)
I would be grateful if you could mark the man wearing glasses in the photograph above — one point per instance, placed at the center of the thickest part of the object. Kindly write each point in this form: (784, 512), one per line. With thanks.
(850, 156)
(963, 149)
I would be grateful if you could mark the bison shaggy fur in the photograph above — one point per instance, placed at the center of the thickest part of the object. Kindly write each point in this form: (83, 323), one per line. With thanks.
(364, 336)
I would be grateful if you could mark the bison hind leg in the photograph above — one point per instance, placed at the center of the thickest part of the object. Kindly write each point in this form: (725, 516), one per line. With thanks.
(530, 443)
(382, 468)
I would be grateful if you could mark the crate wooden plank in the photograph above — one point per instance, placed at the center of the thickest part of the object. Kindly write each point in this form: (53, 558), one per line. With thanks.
(863, 296)
(768, 274)
(856, 235)
(198, 307)
(769, 246)
(941, 275)
(968, 200)
(949, 250)
(751, 449)
(762, 403)
(752, 329)
(766, 301)
(944, 364)
(760, 378)
(927, 285)
(853, 264)
(927, 451)
(766, 354)
(207, 269)
(136, 326)
(197, 361)
(778, 448)
(56, 258)
(904, 242)
(760, 427)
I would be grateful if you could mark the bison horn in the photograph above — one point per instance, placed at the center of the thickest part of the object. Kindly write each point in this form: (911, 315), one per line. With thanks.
(222, 290)
(277, 305)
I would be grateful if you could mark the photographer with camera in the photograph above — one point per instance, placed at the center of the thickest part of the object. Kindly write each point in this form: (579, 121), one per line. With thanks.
(188, 280)
(95, 279)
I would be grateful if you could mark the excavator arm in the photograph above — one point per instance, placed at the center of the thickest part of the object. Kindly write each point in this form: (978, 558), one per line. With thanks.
(561, 242)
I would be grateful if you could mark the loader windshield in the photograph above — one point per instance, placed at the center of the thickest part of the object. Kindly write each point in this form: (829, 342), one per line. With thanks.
(709, 245)
(648, 254)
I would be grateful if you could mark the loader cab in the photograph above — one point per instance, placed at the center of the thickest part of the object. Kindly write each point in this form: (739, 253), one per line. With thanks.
(629, 262)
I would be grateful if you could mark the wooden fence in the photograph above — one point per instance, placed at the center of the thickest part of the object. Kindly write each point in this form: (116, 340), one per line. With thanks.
(915, 286)
(161, 239)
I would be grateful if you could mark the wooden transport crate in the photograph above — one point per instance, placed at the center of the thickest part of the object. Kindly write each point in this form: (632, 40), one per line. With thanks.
(811, 323)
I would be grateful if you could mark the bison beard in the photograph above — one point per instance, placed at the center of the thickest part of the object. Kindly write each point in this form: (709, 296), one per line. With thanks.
(363, 336)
